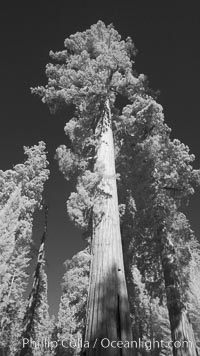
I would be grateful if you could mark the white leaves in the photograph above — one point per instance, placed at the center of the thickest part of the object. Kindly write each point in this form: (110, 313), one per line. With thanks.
(81, 202)
(95, 61)
(72, 309)
(21, 194)
(9, 224)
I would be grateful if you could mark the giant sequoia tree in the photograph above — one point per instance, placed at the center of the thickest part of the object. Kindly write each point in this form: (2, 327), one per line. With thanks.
(91, 72)
(94, 74)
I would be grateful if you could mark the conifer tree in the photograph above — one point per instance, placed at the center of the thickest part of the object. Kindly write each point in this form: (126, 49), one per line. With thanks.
(95, 74)
(139, 305)
(160, 177)
(9, 224)
(150, 319)
(92, 70)
(36, 323)
(20, 195)
(72, 309)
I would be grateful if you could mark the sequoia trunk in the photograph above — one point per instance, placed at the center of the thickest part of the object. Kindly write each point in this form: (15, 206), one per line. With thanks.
(181, 327)
(108, 318)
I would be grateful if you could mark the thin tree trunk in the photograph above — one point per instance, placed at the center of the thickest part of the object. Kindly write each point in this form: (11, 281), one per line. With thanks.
(108, 308)
(30, 314)
(181, 327)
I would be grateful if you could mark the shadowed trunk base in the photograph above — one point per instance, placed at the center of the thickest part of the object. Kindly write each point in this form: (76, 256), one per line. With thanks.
(183, 334)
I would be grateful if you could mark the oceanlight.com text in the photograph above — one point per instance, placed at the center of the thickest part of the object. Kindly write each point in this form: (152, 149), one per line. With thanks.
(147, 345)
(45, 343)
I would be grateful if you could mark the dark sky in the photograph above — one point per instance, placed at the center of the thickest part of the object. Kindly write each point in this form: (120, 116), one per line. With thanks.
(166, 35)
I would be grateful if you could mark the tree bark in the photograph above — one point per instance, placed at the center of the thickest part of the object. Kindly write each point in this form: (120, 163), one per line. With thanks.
(108, 318)
(181, 327)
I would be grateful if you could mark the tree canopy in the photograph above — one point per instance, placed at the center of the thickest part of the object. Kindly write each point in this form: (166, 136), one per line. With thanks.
(132, 217)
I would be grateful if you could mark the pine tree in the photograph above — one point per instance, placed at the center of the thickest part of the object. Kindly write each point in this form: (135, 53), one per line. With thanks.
(160, 333)
(139, 307)
(150, 319)
(159, 176)
(37, 325)
(9, 224)
(72, 310)
(21, 194)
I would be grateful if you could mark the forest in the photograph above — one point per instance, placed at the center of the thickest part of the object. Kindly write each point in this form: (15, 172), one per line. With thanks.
(135, 288)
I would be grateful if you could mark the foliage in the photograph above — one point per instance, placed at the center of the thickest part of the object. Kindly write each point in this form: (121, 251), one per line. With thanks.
(21, 195)
(72, 309)
(95, 65)
(42, 327)
(150, 320)
(156, 175)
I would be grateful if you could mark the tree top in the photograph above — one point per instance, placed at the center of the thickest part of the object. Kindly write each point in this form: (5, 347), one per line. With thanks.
(95, 64)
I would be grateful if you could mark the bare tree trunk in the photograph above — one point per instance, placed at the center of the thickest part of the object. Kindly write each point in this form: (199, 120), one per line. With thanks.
(30, 314)
(181, 327)
(108, 318)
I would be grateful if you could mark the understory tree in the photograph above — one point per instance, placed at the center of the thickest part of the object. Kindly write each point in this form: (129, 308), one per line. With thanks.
(70, 326)
(37, 325)
(20, 195)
